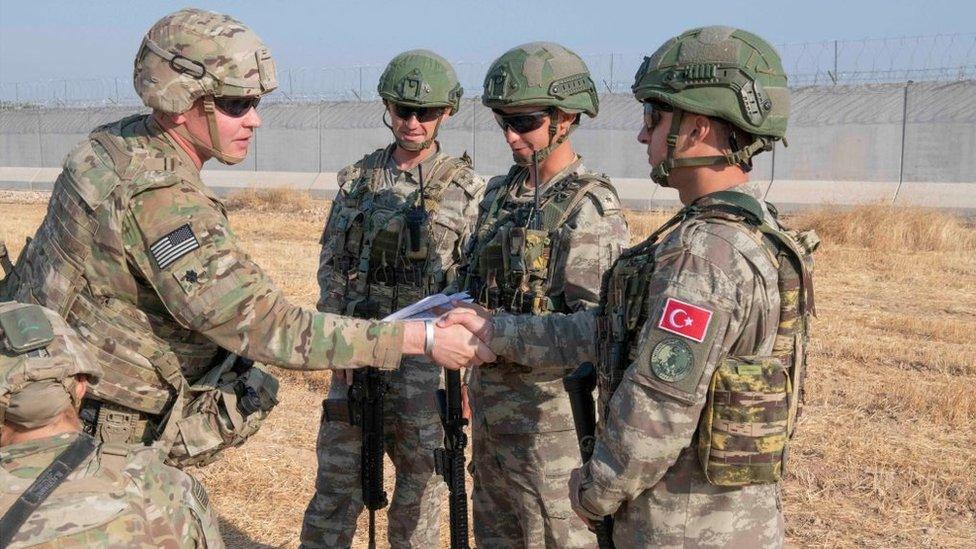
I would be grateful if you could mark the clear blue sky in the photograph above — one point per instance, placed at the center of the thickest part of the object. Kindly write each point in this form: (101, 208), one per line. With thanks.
(80, 38)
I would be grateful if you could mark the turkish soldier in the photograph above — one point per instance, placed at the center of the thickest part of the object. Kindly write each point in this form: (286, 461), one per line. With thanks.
(137, 254)
(396, 233)
(547, 230)
(702, 328)
(59, 487)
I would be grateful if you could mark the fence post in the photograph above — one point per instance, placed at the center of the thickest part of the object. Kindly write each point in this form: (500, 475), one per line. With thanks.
(319, 124)
(904, 127)
(836, 74)
(40, 140)
(474, 132)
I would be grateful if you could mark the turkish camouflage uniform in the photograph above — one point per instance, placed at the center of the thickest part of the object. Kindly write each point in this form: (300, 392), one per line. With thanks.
(136, 253)
(704, 299)
(120, 496)
(367, 269)
(524, 445)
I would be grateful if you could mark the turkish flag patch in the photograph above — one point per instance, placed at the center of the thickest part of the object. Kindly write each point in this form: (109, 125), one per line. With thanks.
(685, 319)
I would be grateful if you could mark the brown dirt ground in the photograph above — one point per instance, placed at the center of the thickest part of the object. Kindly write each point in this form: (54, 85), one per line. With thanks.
(883, 456)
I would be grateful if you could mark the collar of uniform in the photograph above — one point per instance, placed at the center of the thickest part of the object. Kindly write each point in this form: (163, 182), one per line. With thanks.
(413, 173)
(21, 450)
(748, 188)
(522, 190)
(163, 141)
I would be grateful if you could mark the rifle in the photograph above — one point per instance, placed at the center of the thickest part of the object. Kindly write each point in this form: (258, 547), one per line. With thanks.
(579, 385)
(449, 460)
(366, 411)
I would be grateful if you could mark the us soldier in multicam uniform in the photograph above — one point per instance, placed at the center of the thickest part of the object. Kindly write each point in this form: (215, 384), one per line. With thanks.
(701, 329)
(117, 495)
(537, 254)
(136, 253)
(396, 233)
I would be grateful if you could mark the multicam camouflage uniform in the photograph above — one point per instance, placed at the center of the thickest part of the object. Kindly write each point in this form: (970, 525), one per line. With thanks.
(700, 337)
(136, 253)
(119, 495)
(367, 230)
(524, 445)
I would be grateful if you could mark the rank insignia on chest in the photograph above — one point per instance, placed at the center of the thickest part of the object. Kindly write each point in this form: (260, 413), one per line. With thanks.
(685, 319)
(173, 246)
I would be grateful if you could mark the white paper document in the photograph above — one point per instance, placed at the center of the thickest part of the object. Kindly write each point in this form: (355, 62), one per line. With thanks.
(423, 309)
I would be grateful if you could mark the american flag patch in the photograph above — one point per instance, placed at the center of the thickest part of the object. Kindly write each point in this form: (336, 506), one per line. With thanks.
(174, 246)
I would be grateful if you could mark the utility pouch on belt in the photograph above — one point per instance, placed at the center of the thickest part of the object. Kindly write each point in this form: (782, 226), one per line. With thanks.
(224, 408)
(745, 426)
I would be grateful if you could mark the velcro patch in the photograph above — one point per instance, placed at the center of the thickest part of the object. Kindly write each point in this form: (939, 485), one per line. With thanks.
(685, 319)
(173, 246)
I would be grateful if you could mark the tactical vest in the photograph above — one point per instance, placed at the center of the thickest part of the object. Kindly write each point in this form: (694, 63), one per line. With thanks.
(383, 256)
(152, 364)
(753, 401)
(511, 267)
(84, 509)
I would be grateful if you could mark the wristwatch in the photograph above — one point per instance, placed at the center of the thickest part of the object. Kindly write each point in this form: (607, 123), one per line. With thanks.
(428, 337)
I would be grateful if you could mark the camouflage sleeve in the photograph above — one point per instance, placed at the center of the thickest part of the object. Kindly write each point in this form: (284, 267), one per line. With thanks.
(176, 505)
(550, 341)
(180, 241)
(701, 295)
(329, 241)
(587, 246)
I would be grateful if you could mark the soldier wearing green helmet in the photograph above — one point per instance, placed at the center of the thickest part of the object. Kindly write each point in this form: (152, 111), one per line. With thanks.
(701, 330)
(136, 252)
(396, 233)
(58, 486)
(546, 232)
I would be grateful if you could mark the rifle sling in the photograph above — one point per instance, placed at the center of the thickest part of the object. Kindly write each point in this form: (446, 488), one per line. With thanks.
(45, 484)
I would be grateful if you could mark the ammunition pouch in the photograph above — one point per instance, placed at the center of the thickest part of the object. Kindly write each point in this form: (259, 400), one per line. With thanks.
(746, 424)
(225, 408)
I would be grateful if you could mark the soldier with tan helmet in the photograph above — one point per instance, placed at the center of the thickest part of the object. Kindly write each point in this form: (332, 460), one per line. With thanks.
(547, 230)
(702, 329)
(59, 487)
(396, 233)
(137, 254)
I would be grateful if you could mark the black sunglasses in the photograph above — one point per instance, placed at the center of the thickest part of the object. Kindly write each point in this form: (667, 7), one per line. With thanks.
(523, 122)
(236, 106)
(423, 114)
(652, 113)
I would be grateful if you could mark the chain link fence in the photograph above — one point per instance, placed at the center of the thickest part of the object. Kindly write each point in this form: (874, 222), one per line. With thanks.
(943, 58)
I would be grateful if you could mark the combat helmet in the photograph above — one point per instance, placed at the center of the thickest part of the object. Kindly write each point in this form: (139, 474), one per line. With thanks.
(542, 74)
(40, 355)
(420, 78)
(725, 73)
(194, 53)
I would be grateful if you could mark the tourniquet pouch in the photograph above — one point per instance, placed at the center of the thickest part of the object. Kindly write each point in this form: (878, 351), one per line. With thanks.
(225, 408)
(744, 428)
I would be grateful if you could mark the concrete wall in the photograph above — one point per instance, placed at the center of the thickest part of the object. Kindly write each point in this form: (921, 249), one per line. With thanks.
(845, 145)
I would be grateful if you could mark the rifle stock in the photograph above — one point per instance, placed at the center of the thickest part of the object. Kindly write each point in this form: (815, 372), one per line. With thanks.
(579, 385)
(449, 460)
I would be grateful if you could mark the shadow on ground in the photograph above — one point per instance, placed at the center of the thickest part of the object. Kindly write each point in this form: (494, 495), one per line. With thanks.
(235, 537)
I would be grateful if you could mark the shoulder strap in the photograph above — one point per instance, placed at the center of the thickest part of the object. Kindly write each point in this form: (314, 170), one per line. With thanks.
(556, 211)
(45, 484)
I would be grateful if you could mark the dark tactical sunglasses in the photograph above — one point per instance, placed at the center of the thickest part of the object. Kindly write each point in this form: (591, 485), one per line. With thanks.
(423, 114)
(236, 106)
(652, 113)
(523, 122)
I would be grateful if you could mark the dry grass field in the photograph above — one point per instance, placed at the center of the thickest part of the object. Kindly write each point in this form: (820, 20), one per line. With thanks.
(884, 456)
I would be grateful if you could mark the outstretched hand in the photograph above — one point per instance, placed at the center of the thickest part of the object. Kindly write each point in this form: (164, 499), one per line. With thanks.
(475, 318)
(455, 347)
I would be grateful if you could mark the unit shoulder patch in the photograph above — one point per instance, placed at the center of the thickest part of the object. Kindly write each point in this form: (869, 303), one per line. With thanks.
(672, 359)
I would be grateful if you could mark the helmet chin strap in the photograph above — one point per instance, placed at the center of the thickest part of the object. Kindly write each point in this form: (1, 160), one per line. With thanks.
(213, 148)
(662, 171)
(540, 156)
(410, 145)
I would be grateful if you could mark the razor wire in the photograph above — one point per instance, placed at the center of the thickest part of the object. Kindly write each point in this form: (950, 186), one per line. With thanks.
(941, 57)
